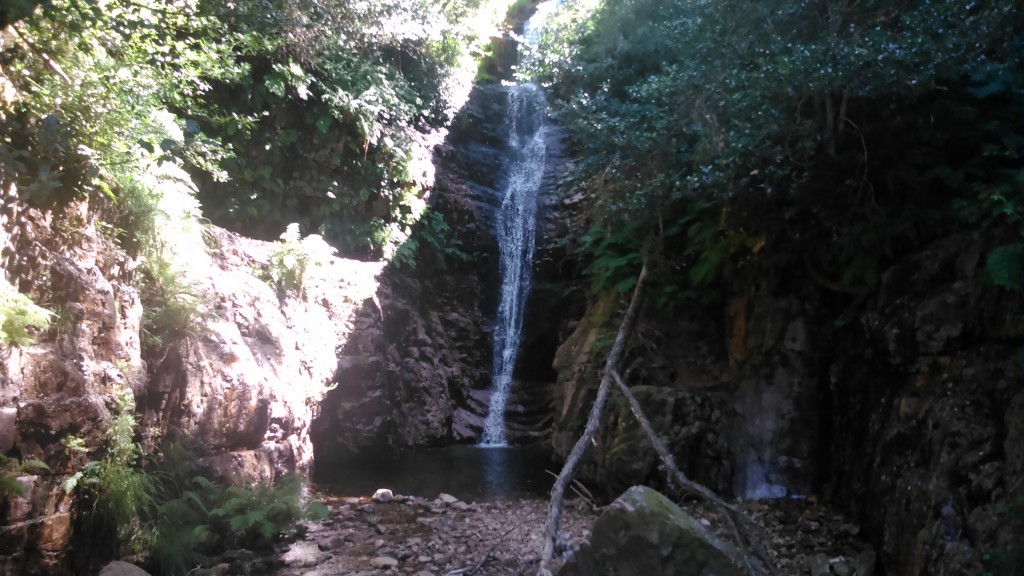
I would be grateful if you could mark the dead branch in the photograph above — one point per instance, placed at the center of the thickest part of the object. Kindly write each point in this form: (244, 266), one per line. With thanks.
(593, 422)
(743, 529)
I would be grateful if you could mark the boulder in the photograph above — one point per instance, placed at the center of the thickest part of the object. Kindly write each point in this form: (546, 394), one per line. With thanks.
(119, 568)
(643, 533)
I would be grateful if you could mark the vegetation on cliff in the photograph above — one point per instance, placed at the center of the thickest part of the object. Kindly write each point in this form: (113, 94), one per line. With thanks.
(286, 114)
(821, 137)
(288, 111)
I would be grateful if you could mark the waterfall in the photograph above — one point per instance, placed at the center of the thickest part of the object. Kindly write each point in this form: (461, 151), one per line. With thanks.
(516, 224)
(516, 230)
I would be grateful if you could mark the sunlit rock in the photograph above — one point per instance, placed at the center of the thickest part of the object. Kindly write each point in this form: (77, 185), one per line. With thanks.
(383, 495)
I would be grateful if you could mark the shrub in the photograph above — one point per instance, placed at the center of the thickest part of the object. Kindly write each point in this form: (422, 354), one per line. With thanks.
(208, 518)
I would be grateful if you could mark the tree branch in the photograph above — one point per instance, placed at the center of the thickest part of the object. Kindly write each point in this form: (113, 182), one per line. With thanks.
(739, 523)
(593, 422)
(42, 55)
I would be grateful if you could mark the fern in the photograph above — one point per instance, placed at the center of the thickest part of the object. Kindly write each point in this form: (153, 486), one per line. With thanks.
(10, 469)
(210, 518)
(17, 314)
(1003, 266)
(294, 255)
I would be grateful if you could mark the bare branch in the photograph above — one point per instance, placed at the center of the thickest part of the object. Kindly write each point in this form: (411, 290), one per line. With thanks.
(593, 422)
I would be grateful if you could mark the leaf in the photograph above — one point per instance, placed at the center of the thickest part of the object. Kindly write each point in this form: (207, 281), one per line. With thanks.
(323, 123)
(1003, 266)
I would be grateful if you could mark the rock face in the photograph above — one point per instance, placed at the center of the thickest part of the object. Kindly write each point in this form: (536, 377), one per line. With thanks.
(409, 375)
(417, 371)
(928, 405)
(902, 407)
(243, 386)
(643, 533)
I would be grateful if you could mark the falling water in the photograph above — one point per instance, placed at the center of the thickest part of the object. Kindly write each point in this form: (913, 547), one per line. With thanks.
(516, 224)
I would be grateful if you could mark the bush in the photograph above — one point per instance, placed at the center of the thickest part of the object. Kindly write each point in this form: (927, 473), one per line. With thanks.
(828, 137)
(210, 518)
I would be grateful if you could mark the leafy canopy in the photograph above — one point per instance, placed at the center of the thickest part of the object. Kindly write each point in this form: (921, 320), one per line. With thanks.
(821, 134)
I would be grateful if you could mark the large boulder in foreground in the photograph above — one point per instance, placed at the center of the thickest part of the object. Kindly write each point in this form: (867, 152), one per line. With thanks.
(643, 533)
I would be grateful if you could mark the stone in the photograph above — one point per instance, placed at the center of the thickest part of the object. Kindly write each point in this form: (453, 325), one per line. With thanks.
(383, 495)
(8, 418)
(818, 565)
(55, 534)
(864, 563)
(119, 568)
(447, 498)
(644, 533)
(384, 562)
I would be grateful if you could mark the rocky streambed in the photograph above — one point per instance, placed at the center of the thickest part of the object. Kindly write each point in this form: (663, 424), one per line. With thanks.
(445, 536)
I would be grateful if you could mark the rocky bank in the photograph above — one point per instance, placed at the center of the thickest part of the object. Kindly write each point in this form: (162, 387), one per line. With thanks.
(900, 406)
(244, 386)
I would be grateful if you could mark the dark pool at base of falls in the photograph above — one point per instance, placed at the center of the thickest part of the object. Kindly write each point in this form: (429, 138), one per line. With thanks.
(469, 473)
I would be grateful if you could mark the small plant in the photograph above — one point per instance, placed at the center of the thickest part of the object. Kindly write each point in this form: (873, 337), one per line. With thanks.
(1004, 266)
(17, 314)
(10, 469)
(431, 231)
(124, 494)
(211, 517)
(294, 256)
(170, 310)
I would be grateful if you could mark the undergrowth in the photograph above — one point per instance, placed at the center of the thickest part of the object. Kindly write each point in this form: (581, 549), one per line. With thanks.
(161, 509)
(17, 315)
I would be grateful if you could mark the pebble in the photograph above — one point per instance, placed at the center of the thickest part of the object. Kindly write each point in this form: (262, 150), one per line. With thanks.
(383, 495)
(384, 562)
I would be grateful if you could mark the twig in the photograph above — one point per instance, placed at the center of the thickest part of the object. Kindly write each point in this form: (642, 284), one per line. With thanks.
(593, 422)
(42, 55)
(737, 520)
(581, 491)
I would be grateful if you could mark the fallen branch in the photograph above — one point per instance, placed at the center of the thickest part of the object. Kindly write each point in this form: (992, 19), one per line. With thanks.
(593, 422)
(742, 528)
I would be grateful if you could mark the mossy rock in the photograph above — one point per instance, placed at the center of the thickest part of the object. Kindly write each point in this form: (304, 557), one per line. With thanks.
(643, 533)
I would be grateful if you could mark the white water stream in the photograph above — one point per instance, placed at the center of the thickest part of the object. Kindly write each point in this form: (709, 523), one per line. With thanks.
(516, 231)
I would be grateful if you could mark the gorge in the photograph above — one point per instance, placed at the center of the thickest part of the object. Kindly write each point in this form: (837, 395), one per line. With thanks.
(832, 328)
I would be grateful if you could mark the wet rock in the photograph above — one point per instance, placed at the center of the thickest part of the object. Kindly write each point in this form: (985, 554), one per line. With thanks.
(644, 533)
(383, 495)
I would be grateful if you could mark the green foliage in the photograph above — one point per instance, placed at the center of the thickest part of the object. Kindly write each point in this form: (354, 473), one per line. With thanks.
(176, 527)
(1004, 265)
(124, 495)
(210, 517)
(88, 77)
(170, 307)
(289, 110)
(616, 258)
(432, 238)
(10, 469)
(294, 255)
(321, 131)
(830, 136)
(17, 314)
